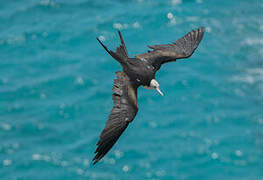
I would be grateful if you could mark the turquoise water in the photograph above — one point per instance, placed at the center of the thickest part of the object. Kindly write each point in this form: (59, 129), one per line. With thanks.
(56, 81)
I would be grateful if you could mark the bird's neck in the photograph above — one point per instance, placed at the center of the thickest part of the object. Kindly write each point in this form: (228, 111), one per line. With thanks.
(148, 87)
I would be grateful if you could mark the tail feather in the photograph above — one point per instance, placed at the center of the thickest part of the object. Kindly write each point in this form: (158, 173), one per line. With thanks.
(122, 47)
(121, 53)
(113, 54)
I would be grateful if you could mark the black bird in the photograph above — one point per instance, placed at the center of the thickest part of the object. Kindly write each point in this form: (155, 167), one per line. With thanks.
(138, 71)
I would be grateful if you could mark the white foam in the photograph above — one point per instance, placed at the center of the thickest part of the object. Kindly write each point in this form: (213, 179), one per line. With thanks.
(126, 168)
(47, 3)
(153, 124)
(214, 155)
(19, 39)
(117, 26)
(102, 38)
(62, 105)
(15, 145)
(192, 18)
(7, 162)
(64, 163)
(86, 162)
(238, 153)
(253, 41)
(80, 171)
(6, 127)
(136, 25)
(36, 157)
(170, 15)
(118, 154)
(79, 80)
(252, 76)
(46, 158)
(176, 2)
(260, 121)
(208, 29)
(160, 173)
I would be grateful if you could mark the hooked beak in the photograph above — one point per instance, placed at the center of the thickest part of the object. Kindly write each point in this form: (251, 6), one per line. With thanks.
(159, 91)
(155, 85)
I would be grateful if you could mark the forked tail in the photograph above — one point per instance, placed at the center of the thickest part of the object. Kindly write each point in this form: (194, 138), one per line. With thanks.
(121, 54)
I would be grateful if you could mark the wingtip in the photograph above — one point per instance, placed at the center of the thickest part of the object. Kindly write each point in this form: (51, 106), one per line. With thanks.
(95, 162)
(201, 29)
(202, 32)
(103, 46)
(99, 40)
(97, 158)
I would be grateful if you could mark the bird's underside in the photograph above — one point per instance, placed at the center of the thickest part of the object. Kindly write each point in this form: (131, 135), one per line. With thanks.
(123, 112)
(125, 86)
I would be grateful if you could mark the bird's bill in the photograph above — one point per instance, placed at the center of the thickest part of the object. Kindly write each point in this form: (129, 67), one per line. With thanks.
(159, 91)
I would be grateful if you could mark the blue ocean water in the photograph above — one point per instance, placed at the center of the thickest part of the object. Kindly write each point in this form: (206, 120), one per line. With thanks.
(56, 81)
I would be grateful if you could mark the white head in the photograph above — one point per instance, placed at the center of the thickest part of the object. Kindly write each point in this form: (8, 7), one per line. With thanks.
(155, 85)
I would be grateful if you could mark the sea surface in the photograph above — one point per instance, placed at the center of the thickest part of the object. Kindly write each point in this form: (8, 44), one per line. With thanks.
(56, 85)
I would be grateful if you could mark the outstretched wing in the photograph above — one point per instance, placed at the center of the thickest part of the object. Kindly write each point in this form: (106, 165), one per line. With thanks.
(123, 112)
(121, 52)
(182, 48)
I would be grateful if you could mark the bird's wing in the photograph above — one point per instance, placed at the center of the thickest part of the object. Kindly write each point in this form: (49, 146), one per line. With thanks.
(123, 112)
(121, 52)
(182, 48)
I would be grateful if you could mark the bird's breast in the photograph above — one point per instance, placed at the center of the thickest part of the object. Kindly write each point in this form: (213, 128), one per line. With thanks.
(141, 72)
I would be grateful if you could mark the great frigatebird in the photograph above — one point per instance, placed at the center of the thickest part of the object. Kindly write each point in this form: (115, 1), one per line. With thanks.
(138, 71)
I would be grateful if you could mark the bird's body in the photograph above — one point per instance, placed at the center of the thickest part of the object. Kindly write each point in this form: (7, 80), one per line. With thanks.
(138, 71)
